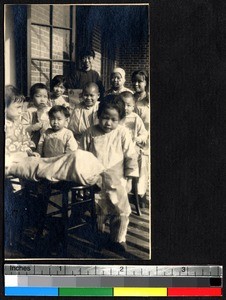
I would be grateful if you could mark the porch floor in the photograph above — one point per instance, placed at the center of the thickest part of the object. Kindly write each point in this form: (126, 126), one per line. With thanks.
(81, 243)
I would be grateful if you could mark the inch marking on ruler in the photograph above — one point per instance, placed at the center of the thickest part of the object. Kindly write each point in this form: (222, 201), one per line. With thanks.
(114, 270)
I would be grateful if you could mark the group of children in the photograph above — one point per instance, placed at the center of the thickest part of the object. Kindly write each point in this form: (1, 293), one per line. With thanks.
(113, 127)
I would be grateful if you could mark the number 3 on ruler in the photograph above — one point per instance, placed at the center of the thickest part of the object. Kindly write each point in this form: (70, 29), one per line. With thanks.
(183, 269)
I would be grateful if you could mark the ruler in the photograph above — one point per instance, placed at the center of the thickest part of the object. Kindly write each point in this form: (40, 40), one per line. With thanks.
(113, 280)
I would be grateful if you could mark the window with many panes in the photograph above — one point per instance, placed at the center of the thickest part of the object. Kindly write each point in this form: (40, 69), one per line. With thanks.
(50, 43)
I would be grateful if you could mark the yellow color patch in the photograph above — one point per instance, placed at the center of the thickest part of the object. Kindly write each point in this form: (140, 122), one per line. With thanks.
(143, 292)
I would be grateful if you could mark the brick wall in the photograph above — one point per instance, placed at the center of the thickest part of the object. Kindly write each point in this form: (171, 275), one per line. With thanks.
(133, 58)
(89, 38)
(40, 42)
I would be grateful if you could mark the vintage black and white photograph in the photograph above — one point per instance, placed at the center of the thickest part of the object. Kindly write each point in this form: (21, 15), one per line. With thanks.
(77, 131)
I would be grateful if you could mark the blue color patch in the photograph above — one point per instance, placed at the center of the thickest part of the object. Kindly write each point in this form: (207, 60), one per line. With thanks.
(31, 291)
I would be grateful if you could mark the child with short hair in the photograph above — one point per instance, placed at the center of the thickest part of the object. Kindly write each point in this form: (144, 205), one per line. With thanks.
(132, 121)
(139, 135)
(118, 79)
(57, 88)
(111, 143)
(18, 146)
(84, 114)
(17, 141)
(140, 85)
(36, 118)
(57, 140)
(142, 108)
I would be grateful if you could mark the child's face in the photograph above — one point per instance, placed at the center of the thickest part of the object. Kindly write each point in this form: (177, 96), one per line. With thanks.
(129, 105)
(109, 120)
(58, 90)
(117, 81)
(139, 83)
(40, 98)
(90, 96)
(14, 110)
(58, 121)
(87, 62)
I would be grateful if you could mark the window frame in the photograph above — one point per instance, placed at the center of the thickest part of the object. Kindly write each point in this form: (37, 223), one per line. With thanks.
(51, 27)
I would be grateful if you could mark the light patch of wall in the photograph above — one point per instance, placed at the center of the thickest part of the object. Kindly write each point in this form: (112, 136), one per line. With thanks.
(10, 74)
(96, 44)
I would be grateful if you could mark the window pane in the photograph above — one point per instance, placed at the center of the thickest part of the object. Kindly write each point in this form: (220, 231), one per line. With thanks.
(40, 71)
(60, 68)
(61, 41)
(61, 15)
(40, 41)
(40, 14)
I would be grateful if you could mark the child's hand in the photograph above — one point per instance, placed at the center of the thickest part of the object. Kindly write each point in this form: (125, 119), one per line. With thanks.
(37, 126)
(139, 142)
(31, 153)
(36, 154)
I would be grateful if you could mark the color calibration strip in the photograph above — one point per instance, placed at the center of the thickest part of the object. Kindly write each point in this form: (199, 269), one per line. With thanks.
(111, 292)
(113, 280)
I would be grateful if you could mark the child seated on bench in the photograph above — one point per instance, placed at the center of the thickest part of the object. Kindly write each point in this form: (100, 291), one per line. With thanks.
(57, 140)
(18, 143)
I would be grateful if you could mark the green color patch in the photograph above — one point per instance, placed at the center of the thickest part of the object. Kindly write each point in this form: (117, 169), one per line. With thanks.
(85, 292)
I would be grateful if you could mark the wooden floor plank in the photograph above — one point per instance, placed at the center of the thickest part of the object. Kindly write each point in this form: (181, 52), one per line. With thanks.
(82, 245)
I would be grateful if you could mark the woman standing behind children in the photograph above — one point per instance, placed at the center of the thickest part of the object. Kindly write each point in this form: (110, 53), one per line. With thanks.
(57, 88)
(111, 143)
(85, 114)
(140, 85)
(118, 79)
(78, 78)
(36, 118)
(57, 140)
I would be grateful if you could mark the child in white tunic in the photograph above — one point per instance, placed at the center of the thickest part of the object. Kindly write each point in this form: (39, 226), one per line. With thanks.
(85, 114)
(139, 135)
(57, 140)
(118, 79)
(141, 95)
(132, 121)
(112, 144)
(35, 119)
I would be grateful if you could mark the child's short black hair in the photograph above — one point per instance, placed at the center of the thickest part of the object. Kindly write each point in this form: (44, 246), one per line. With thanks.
(12, 94)
(126, 95)
(58, 108)
(35, 87)
(141, 73)
(87, 52)
(112, 102)
(90, 85)
(58, 79)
